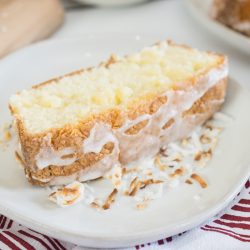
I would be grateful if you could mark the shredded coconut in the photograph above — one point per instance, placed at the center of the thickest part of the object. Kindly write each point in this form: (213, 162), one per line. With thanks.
(68, 195)
(177, 163)
(6, 134)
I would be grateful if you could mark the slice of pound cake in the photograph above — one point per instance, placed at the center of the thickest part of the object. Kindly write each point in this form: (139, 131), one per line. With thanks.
(78, 126)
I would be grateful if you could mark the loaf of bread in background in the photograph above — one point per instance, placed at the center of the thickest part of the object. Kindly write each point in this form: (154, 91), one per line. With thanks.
(78, 126)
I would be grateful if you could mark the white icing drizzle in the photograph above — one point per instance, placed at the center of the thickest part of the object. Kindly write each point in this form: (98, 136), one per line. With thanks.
(95, 171)
(44, 180)
(49, 156)
(131, 123)
(149, 139)
(146, 142)
(99, 135)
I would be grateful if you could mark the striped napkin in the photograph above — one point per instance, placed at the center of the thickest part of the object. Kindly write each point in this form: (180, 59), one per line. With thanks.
(230, 229)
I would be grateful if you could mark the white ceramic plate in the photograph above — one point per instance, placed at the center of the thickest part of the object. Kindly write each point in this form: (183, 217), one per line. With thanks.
(122, 225)
(200, 10)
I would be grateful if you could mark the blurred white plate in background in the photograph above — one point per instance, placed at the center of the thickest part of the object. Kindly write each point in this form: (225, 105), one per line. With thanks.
(200, 10)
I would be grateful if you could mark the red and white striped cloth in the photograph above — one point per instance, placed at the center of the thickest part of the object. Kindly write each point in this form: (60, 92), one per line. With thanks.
(230, 229)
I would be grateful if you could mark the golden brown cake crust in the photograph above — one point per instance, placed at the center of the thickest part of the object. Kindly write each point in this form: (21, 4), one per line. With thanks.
(201, 106)
(73, 135)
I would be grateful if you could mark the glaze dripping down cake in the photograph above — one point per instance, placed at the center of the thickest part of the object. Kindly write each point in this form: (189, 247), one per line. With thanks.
(78, 126)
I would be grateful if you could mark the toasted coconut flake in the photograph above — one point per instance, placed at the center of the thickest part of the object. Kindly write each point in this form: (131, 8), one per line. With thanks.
(7, 132)
(188, 181)
(198, 156)
(209, 126)
(126, 193)
(52, 194)
(133, 183)
(152, 181)
(131, 170)
(68, 195)
(177, 160)
(19, 159)
(199, 179)
(203, 154)
(158, 163)
(110, 199)
(177, 172)
(149, 182)
(68, 191)
(95, 205)
(163, 151)
(135, 189)
(168, 124)
(209, 152)
(205, 139)
(149, 174)
(124, 171)
(115, 175)
(185, 141)
(141, 206)
(71, 202)
(68, 156)
(7, 136)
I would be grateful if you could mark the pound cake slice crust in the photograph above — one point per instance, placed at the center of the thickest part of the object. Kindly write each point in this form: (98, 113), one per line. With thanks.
(128, 128)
